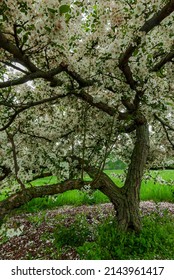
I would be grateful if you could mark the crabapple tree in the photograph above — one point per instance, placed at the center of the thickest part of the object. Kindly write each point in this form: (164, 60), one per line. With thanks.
(80, 80)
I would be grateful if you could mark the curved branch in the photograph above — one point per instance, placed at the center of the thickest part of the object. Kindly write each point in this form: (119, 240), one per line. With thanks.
(29, 105)
(163, 122)
(18, 199)
(167, 58)
(49, 76)
(148, 26)
(168, 137)
(165, 126)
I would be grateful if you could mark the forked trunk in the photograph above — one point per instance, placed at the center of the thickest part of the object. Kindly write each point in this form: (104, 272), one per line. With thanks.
(126, 199)
(128, 209)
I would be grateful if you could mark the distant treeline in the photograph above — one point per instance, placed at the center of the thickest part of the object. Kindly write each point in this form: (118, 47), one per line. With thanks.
(118, 164)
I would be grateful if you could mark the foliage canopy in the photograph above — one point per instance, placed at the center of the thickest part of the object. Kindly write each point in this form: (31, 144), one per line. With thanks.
(77, 81)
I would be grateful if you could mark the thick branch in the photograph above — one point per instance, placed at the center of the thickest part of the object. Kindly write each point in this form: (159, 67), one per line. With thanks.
(8, 46)
(24, 196)
(49, 76)
(6, 171)
(167, 58)
(158, 17)
(82, 94)
(148, 26)
(29, 105)
(138, 159)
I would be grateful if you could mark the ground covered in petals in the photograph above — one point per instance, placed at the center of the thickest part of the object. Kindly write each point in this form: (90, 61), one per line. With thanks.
(51, 234)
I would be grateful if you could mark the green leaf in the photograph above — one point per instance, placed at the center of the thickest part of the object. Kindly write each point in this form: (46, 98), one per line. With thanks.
(47, 28)
(64, 9)
(53, 11)
(78, 3)
(25, 38)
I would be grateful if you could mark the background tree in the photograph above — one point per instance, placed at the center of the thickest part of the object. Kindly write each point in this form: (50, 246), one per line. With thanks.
(79, 80)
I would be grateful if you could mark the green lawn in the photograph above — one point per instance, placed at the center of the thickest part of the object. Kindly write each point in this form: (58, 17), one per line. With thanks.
(150, 190)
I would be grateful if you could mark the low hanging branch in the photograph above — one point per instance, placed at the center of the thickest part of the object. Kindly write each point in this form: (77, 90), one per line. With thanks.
(104, 183)
(18, 199)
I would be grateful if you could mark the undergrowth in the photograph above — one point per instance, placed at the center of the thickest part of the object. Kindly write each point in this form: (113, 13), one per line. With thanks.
(75, 198)
(104, 242)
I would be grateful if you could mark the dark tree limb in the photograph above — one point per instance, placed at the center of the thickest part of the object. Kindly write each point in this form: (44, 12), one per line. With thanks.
(27, 106)
(6, 171)
(49, 76)
(167, 58)
(8, 46)
(82, 94)
(154, 21)
(158, 17)
(147, 26)
(18, 199)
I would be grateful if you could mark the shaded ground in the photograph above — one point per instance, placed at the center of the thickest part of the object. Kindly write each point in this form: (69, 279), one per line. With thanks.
(30, 236)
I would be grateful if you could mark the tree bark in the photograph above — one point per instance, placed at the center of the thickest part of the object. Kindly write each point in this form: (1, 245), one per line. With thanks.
(128, 209)
(18, 199)
(126, 199)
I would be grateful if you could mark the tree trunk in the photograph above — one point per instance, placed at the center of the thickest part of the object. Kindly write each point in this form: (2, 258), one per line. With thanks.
(126, 199)
(128, 210)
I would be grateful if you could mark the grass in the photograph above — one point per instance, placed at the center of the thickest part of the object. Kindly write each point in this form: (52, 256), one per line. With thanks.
(104, 242)
(74, 197)
(98, 238)
(150, 190)
(153, 190)
(93, 236)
